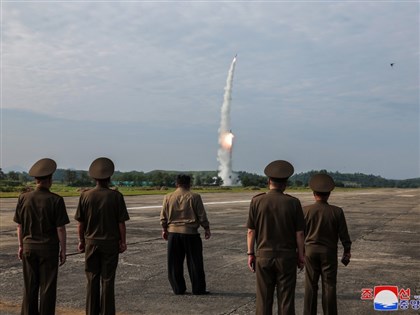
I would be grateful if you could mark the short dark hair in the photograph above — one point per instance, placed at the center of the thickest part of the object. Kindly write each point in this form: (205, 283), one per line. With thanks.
(322, 194)
(103, 180)
(43, 177)
(279, 181)
(183, 180)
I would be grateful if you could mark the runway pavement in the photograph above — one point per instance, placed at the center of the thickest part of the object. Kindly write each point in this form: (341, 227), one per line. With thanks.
(384, 226)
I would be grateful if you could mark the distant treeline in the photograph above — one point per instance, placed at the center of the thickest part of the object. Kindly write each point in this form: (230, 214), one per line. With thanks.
(358, 180)
(160, 178)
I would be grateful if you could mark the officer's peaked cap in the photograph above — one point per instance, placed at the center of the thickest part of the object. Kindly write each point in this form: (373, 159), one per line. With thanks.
(321, 183)
(43, 168)
(279, 169)
(101, 168)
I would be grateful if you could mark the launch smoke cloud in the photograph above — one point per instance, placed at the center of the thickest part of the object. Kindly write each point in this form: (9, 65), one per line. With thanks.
(224, 154)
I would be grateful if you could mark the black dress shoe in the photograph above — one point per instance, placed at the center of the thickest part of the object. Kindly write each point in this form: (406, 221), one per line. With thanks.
(201, 293)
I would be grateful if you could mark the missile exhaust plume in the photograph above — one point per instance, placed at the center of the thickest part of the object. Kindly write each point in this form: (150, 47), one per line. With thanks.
(224, 154)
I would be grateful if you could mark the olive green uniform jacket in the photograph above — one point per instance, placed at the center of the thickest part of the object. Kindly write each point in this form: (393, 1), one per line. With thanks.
(101, 210)
(39, 213)
(275, 217)
(325, 225)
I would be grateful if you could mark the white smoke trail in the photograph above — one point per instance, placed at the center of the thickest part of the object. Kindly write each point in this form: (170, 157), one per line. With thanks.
(224, 154)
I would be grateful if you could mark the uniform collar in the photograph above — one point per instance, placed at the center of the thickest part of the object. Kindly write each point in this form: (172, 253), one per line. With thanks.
(98, 186)
(275, 191)
(40, 188)
(323, 202)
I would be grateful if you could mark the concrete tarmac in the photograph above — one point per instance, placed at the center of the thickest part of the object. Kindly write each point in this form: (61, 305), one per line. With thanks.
(383, 223)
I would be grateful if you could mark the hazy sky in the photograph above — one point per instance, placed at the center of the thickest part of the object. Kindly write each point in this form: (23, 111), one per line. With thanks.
(142, 82)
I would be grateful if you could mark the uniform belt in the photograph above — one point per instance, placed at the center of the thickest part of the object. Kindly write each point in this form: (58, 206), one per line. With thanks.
(276, 253)
(91, 241)
(40, 246)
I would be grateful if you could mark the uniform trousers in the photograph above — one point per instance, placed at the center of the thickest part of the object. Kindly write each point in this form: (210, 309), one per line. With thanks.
(40, 268)
(272, 273)
(101, 261)
(179, 247)
(320, 263)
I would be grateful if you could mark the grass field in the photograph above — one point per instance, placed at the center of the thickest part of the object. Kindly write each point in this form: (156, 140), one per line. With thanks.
(68, 191)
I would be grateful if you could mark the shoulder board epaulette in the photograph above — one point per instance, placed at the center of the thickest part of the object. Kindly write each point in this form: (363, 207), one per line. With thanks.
(260, 194)
(289, 196)
(84, 189)
(26, 190)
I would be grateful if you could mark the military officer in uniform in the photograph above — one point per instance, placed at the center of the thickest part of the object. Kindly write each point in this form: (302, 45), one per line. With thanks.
(101, 214)
(41, 217)
(182, 214)
(325, 224)
(275, 227)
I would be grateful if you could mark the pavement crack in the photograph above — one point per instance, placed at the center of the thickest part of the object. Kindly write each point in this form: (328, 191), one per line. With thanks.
(235, 311)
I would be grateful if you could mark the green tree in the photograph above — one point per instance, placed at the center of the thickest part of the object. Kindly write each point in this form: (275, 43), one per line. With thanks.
(70, 177)
(298, 183)
(2, 175)
(197, 180)
(24, 177)
(12, 175)
(83, 179)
